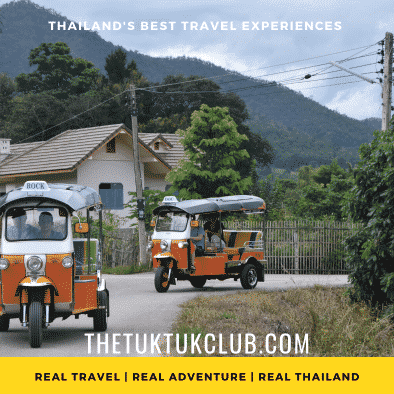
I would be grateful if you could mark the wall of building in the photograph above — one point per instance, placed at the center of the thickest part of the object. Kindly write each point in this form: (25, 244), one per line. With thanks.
(103, 167)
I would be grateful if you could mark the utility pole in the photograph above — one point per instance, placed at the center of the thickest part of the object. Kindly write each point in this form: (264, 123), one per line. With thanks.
(387, 80)
(138, 179)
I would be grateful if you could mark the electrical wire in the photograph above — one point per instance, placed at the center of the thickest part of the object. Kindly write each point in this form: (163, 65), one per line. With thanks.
(74, 117)
(285, 82)
(277, 65)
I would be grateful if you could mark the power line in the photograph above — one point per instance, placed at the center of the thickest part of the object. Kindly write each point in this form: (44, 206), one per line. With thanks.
(288, 81)
(74, 117)
(312, 87)
(284, 82)
(260, 68)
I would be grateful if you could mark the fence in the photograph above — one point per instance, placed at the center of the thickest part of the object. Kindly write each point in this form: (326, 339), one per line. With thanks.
(303, 247)
(120, 248)
(299, 247)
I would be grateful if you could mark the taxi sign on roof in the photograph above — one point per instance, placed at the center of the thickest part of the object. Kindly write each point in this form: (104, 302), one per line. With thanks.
(169, 200)
(35, 186)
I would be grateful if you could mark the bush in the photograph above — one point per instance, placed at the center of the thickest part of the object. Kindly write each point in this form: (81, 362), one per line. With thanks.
(370, 252)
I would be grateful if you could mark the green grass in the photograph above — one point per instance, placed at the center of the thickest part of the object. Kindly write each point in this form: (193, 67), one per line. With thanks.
(335, 326)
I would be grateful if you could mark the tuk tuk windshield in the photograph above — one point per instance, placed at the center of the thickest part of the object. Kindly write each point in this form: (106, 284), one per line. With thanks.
(172, 221)
(33, 223)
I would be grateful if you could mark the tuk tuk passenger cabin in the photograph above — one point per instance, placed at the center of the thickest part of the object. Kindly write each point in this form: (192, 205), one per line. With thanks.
(44, 272)
(184, 250)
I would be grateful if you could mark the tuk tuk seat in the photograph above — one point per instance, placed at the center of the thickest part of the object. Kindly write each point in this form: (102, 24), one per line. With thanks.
(237, 241)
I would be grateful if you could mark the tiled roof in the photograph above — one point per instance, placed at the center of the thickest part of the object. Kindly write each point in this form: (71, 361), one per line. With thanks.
(62, 152)
(173, 155)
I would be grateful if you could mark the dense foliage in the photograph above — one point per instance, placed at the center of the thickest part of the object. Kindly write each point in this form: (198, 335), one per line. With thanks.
(300, 130)
(57, 72)
(371, 251)
(212, 148)
(152, 200)
(311, 193)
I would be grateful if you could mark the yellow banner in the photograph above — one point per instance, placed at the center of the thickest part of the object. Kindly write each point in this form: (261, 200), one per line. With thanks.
(281, 374)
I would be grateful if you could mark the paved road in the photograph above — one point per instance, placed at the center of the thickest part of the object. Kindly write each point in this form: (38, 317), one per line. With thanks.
(136, 308)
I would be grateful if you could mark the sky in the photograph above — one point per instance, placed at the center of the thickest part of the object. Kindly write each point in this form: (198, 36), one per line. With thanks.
(274, 40)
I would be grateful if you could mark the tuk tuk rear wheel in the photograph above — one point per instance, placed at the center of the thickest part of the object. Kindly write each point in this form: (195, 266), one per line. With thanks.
(249, 277)
(198, 283)
(4, 323)
(100, 315)
(35, 324)
(162, 280)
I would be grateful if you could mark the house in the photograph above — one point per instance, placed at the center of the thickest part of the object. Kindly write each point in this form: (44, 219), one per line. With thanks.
(99, 157)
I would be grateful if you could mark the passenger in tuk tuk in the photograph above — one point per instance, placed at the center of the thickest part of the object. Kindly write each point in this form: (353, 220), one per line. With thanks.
(214, 227)
(21, 230)
(45, 222)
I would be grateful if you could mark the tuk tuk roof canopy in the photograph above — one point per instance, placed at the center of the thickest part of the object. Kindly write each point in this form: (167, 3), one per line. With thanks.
(75, 197)
(217, 204)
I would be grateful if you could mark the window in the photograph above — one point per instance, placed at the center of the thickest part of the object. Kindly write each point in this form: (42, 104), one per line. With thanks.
(111, 195)
(156, 145)
(32, 223)
(111, 146)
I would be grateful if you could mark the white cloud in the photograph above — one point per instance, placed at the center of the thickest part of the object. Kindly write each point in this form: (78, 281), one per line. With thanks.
(216, 54)
(360, 104)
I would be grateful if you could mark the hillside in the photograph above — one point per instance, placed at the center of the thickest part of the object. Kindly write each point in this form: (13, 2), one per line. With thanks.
(301, 130)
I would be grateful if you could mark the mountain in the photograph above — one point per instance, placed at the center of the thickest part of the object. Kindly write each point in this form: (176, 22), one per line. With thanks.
(301, 130)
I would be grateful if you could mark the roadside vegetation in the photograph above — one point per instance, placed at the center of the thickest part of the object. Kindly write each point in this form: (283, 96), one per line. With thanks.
(336, 327)
(127, 270)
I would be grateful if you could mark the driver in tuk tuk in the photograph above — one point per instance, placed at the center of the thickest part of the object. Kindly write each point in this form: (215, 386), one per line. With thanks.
(21, 230)
(197, 235)
(45, 222)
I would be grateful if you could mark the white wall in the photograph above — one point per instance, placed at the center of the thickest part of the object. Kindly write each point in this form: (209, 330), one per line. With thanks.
(116, 167)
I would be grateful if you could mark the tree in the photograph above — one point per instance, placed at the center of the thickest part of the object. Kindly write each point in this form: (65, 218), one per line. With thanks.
(326, 195)
(152, 200)
(116, 68)
(7, 92)
(212, 148)
(58, 72)
(181, 96)
(370, 252)
(33, 114)
(280, 196)
(324, 173)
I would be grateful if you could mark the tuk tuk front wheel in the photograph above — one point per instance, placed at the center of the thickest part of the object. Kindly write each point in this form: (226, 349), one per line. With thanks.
(35, 324)
(100, 315)
(198, 283)
(249, 277)
(162, 280)
(4, 323)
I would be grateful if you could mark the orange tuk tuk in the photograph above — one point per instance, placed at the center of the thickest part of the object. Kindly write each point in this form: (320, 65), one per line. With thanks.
(44, 272)
(184, 249)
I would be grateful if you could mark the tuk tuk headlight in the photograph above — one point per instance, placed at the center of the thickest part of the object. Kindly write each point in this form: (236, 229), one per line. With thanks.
(67, 262)
(4, 264)
(182, 244)
(34, 263)
(163, 245)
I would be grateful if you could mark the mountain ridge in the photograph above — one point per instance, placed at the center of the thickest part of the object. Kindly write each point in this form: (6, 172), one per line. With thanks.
(299, 128)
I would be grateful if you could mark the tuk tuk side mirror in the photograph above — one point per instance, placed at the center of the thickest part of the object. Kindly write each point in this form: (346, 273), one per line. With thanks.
(194, 223)
(81, 228)
(152, 223)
